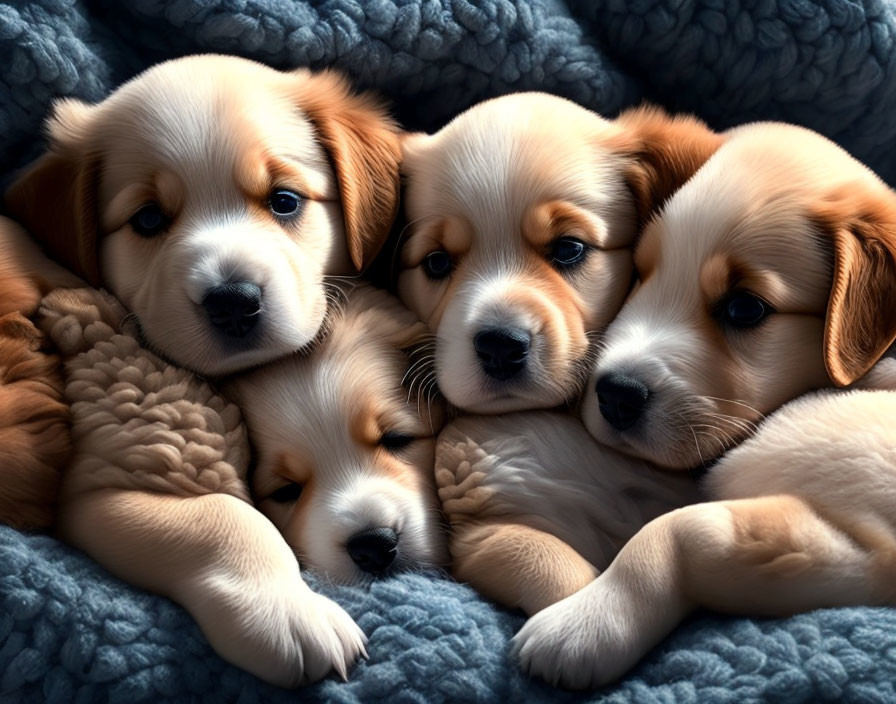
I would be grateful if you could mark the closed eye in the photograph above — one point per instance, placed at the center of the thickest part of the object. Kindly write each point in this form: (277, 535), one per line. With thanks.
(287, 494)
(395, 441)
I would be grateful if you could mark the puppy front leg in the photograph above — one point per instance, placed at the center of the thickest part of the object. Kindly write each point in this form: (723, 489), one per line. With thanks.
(229, 567)
(517, 565)
(767, 556)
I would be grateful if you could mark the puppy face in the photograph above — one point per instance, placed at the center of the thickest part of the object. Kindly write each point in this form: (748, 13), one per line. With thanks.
(212, 195)
(769, 274)
(344, 453)
(522, 211)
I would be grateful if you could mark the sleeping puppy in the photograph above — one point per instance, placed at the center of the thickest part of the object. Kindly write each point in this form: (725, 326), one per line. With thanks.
(34, 430)
(770, 274)
(522, 215)
(157, 489)
(344, 451)
(522, 212)
(212, 196)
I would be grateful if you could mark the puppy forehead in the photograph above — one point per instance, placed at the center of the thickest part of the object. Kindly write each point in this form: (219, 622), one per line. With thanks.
(501, 157)
(203, 123)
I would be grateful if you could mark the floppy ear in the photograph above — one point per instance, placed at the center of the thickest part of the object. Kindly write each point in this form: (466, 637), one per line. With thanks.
(55, 197)
(363, 144)
(665, 152)
(861, 316)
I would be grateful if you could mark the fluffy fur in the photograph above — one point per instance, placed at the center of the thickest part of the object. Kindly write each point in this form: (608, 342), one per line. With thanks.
(157, 492)
(208, 140)
(34, 432)
(803, 513)
(495, 190)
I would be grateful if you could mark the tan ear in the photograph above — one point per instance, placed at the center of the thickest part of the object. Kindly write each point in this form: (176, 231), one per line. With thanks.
(861, 316)
(363, 144)
(55, 197)
(665, 152)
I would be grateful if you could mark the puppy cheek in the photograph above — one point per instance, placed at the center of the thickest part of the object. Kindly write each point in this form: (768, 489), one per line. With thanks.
(424, 297)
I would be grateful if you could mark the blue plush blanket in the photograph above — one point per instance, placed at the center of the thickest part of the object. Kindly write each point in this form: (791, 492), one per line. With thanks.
(71, 633)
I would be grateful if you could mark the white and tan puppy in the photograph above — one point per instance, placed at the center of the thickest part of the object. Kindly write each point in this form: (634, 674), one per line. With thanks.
(156, 491)
(522, 212)
(344, 451)
(770, 274)
(212, 195)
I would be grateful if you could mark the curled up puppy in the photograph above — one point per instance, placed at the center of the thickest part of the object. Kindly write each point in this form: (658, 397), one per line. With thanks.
(157, 490)
(522, 214)
(752, 307)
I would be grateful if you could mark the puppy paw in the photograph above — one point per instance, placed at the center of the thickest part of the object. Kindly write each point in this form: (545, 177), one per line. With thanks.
(587, 640)
(461, 467)
(288, 636)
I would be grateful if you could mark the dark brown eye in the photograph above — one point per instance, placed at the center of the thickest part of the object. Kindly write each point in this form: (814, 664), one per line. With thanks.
(742, 309)
(395, 441)
(567, 251)
(438, 264)
(149, 221)
(287, 494)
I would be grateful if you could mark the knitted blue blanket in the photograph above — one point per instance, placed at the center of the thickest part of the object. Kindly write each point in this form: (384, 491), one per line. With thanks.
(71, 633)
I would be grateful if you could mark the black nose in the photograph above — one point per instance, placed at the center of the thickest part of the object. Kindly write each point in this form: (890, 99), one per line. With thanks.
(502, 351)
(373, 550)
(233, 308)
(622, 399)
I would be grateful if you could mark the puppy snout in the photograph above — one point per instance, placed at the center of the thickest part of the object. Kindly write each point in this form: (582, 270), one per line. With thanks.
(502, 352)
(234, 308)
(373, 550)
(622, 399)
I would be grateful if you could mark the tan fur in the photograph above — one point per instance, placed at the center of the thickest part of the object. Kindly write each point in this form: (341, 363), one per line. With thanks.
(802, 509)
(495, 189)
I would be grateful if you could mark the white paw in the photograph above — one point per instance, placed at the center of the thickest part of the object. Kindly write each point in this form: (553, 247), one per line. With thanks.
(586, 640)
(288, 636)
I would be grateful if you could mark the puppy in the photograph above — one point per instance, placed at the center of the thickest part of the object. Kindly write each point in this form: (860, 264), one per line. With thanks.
(157, 488)
(212, 195)
(34, 432)
(344, 451)
(522, 215)
(522, 212)
(770, 274)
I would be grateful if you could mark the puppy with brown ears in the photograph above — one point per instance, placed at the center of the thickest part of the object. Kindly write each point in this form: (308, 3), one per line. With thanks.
(212, 195)
(522, 214)
(772, 273)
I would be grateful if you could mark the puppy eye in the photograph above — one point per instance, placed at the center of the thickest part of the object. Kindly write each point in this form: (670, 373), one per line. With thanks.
(395, 441)
(287, 494)
(567, 251)
(742, 309)
(285, 204)
(149, 221)
(438, 264)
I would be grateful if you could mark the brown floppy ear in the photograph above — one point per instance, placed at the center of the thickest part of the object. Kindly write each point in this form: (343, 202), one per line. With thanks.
(55, 197)
(665, 152)
(861, 316)
(363, 144)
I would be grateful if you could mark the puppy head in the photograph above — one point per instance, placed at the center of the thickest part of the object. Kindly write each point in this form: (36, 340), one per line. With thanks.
(212, 195)
(344, 452)
(770, 273)
(521, 215)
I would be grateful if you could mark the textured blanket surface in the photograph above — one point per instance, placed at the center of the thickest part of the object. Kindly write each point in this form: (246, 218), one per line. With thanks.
(71, 633)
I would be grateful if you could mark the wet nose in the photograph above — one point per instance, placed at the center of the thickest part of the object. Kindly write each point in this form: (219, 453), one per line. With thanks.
(502, 352)
(622, 399)
(373, 550)
(234, 308)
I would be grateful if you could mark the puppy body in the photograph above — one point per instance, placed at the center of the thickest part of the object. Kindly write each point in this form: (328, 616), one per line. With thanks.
(537, 508)
(34, 433)
(803, 512)
(212, 195)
